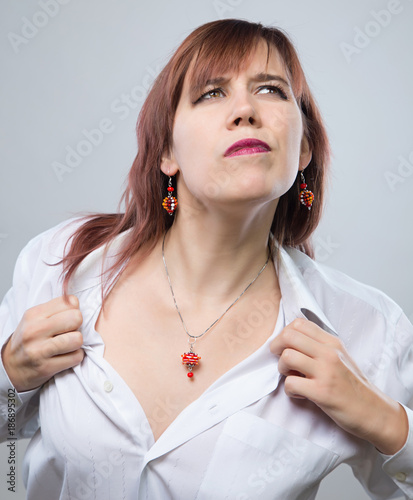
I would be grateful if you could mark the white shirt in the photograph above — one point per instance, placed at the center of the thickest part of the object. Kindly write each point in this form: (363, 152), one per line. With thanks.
(243, 438)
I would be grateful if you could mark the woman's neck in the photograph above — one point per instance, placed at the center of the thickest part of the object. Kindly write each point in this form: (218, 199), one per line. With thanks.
(211, 259)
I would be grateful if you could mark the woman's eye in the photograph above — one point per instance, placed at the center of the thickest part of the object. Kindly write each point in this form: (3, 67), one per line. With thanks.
(210, 94)
(275, 89)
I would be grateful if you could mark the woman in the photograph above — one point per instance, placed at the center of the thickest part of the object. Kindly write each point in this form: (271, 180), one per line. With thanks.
(198, 351)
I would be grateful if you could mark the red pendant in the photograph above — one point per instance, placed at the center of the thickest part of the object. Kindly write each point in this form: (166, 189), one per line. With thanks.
(190, 359)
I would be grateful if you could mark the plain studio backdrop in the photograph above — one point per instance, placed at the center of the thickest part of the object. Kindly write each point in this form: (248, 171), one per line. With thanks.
(71, 67)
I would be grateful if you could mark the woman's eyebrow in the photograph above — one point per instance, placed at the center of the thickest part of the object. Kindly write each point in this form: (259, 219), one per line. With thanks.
(259, 77)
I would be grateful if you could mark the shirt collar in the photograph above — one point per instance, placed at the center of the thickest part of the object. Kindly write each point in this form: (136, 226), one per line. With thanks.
(298, 300)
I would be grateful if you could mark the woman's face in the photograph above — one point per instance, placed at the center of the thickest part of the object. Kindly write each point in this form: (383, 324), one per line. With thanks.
(247, 105)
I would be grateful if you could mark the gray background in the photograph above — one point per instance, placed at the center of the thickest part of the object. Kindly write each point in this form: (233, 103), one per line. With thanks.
(72, 73)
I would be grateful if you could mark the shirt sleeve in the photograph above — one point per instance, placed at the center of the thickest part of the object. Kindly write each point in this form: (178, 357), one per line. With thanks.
(34, 282)
(17, 410)
(400, 465)
(391, 476)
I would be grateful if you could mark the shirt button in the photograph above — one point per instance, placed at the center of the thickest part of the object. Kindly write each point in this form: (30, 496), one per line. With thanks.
(107, 385)
(401, 476)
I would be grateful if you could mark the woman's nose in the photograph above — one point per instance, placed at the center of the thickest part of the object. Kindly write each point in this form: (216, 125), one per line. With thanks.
(243, 112)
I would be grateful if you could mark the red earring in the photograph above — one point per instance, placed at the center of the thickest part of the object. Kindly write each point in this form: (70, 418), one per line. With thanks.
(170, 202)
(306, 196)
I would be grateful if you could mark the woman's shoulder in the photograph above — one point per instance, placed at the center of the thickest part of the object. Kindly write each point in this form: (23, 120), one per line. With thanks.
(332, 286)
(36, 277)
(39, 258)
(51, 242)
(374, 328)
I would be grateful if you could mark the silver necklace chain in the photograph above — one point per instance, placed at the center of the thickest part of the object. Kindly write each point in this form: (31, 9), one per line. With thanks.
(223, 314)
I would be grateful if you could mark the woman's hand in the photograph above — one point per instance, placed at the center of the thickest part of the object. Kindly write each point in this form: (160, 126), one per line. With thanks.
(45, 343)
(317, 367)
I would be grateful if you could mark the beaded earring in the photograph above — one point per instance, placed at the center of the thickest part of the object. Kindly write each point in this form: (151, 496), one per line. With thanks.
(306, 196)
(170, 202)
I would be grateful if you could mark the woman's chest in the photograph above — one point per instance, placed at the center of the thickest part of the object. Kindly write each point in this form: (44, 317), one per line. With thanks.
(145, 345)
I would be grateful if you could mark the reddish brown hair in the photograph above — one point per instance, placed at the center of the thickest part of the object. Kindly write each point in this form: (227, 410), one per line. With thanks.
(215, 47)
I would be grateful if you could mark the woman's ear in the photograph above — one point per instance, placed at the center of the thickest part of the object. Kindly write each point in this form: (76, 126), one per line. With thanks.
(305, 153)
(169, 165)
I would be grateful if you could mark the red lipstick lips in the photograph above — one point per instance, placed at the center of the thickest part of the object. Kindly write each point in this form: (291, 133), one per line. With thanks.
(247, 146)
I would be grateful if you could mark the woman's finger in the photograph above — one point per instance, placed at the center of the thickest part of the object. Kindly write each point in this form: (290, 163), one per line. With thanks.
(64, 321)
(295, 362)
(54, 306)
(312, 331)
(57, 364)
(62, 344)
(304, 336)
(298, 387)
(293, 338)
